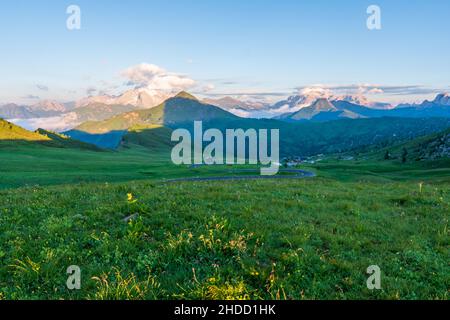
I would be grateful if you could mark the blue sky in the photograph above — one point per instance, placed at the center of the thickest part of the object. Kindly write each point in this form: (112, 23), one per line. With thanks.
(259, 48)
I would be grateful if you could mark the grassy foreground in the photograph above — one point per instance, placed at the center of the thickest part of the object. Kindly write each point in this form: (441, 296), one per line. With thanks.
(287, 239)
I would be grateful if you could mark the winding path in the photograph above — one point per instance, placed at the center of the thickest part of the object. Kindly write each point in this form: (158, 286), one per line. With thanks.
(296, 174)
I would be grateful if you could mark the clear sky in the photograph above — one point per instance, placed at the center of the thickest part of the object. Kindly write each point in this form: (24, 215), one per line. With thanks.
(254, 47)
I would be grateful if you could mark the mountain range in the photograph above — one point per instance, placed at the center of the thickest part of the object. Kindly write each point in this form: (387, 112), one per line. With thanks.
(309, 106)
(242, 108)
(152, 127)
(63, 116)
(296, 137)
(327, 110)
(141, 98)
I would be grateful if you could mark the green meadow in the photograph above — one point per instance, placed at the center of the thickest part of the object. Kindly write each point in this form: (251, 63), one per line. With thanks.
(37, 165)
(136, 236)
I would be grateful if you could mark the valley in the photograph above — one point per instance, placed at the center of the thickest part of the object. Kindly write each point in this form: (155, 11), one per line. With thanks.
(137, 237)
(141, 227)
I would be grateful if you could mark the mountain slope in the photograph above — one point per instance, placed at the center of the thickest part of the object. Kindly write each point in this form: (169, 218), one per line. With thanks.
(430, 147)
(320, 110)
(14, 111)
(63, 141)
(12, 135)
(47, 108)
(319, 106)
(11, 132)
(100, 111)
(153, 137)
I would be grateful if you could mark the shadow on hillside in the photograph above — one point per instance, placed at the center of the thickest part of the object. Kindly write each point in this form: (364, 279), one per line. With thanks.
(108, 140)
(151, 138)
(61, 144)
(158, 138)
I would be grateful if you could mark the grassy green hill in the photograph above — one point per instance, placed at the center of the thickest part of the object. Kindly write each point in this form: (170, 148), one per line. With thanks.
(424, 153)
(63, 141)
(426, 157)
(431, 147)
(11, 133)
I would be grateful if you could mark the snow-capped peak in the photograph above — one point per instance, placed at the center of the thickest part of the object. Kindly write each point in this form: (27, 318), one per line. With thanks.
(443, 99)
(139, 98)
(48, 105)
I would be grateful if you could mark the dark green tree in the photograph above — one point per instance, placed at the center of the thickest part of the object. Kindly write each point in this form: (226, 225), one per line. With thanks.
(387, 155)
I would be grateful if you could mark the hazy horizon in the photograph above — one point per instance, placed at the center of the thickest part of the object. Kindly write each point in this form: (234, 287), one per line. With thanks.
(245, 50)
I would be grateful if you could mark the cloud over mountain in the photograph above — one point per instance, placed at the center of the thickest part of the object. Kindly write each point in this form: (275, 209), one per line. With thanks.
(153, 77)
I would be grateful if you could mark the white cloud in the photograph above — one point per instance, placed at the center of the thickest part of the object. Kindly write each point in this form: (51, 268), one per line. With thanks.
(60, 123)
(152, 77)
(376, 91)
(316, 91)
(208, 87)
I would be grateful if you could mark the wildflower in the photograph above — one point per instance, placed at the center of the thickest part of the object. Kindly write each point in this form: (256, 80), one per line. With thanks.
(130, 198)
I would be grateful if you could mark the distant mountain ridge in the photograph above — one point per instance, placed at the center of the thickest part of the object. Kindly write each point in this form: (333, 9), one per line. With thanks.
(442, 99)
(232, 103)
(71, 114)
(141, 98)
(44, 108)
(294, 103)
(305, 107)
(338, 109)
(14, 111)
